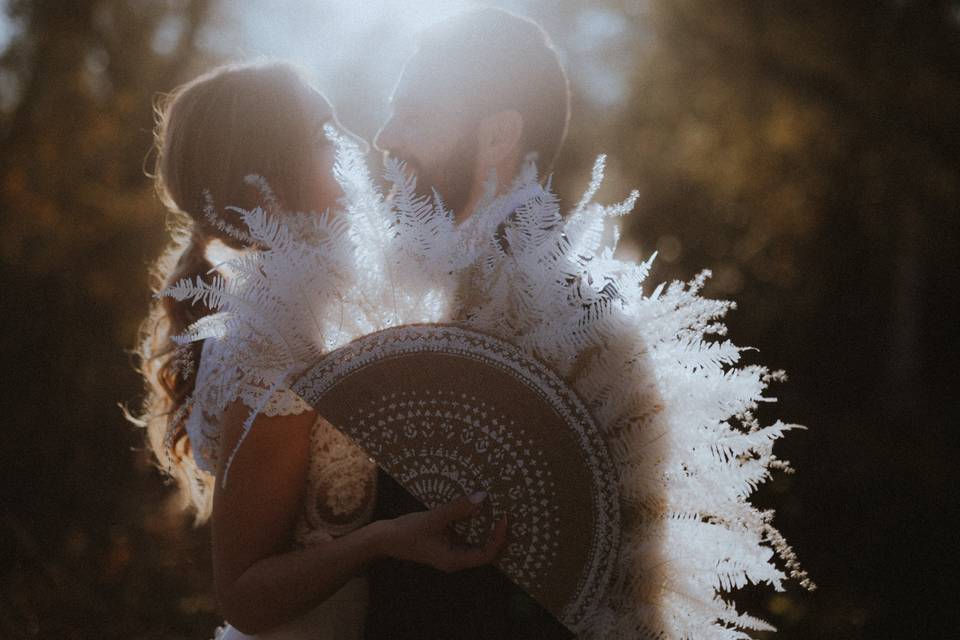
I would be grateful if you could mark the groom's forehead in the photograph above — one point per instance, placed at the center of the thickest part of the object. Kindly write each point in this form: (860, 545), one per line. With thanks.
(428, 79)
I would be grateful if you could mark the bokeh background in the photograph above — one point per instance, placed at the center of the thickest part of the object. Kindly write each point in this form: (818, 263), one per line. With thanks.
(807, 152)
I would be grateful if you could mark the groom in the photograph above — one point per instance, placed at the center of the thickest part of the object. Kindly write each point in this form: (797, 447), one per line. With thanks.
(483, 91)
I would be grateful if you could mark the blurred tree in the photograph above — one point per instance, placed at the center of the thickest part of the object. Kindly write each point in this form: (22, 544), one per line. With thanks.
(809, 153)
(796, 136)
(79, 226)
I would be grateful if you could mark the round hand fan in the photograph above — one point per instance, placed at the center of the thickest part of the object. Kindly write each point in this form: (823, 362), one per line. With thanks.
(447, 411)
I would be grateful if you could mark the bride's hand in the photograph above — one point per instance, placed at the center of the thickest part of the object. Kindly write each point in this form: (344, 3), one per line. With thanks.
(426, 537)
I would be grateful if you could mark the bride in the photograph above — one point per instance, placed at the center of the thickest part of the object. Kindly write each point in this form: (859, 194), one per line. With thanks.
(295, 529)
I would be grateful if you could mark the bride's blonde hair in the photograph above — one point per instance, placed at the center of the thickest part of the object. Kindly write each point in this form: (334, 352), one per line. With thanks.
(210, 134)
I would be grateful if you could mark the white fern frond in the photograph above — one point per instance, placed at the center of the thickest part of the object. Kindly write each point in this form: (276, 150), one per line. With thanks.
(596, 179)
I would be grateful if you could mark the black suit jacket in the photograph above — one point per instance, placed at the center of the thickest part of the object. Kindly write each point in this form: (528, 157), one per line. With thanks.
(411, 600)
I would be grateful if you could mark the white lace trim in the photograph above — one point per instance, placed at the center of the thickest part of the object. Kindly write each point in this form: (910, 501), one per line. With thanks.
(220, 381)
(341, 488)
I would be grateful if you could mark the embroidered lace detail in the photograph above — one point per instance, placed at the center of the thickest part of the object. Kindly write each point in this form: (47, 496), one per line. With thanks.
(341, 491)
(220, 381)
(341, 486)
(281, 402)
(215, 388)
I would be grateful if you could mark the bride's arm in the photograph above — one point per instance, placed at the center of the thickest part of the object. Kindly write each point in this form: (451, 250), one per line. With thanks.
(259, 579)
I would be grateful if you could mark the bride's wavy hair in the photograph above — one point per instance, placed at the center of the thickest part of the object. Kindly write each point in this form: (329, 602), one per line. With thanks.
(210, 134)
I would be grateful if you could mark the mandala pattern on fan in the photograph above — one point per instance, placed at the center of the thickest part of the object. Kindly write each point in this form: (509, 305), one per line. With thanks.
(466, 435)
(458, 410)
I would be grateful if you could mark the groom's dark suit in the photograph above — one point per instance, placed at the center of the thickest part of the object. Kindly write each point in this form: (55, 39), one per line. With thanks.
(409, 600)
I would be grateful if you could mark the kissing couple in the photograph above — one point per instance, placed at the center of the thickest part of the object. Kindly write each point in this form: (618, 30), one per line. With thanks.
(311, 540)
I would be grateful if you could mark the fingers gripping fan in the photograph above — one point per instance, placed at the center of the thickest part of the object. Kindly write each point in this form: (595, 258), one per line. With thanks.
(446, 411)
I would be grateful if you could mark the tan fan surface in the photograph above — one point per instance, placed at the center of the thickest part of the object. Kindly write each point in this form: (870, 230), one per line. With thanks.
(447, 411)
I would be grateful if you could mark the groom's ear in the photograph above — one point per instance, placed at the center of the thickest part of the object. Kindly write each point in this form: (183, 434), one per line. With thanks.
(499, 136)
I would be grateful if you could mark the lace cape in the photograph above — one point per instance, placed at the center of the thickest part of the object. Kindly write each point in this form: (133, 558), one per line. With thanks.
(668, 395)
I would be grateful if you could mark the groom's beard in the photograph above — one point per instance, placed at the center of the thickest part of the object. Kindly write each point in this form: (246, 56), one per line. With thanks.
(452, 176)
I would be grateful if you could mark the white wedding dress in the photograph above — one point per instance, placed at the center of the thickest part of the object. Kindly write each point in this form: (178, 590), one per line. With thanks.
(340, 497)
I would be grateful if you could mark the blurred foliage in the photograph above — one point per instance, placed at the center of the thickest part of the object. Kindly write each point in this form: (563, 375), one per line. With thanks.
(809, 154)
(806, 152)
(88, 547)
